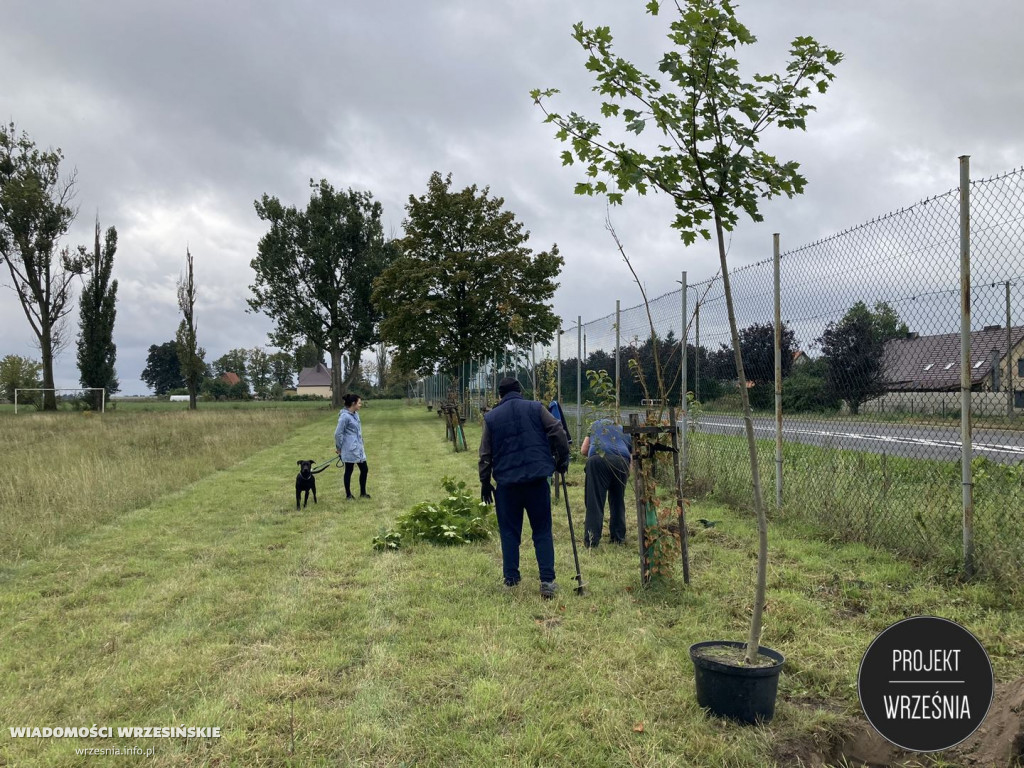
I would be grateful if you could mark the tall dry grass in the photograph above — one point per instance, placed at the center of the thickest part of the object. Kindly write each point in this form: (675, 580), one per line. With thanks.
(65, 472)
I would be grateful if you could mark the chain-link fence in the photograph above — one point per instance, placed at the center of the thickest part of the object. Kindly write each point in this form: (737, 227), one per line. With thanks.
(872, 385)
(872, 380)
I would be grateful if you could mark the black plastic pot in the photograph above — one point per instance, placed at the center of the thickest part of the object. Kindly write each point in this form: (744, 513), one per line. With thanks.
(745, 694)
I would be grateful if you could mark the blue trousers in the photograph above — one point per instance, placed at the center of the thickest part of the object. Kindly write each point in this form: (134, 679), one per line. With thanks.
(510, 500)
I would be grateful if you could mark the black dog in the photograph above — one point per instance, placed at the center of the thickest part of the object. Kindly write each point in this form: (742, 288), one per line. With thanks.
(304, 481)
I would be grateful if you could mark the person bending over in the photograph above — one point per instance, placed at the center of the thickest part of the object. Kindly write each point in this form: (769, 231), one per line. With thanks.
(608, 450)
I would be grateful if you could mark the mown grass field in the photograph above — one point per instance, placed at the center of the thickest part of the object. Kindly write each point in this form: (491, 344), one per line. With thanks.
(211, 602)
(906, 505)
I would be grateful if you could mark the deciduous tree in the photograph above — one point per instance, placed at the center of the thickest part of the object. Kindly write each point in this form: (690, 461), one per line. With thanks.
(853, 349)
(282, 366)
(307, 356)
(466, 283)
(35, 213)
(233, 361)
(97, 309)
(17, 372)
(757, 343)
(314, 271)
(258, 371)
(163, 370)
(707, 121)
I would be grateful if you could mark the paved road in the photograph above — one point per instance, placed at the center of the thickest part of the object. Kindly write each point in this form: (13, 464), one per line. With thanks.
(908, 440)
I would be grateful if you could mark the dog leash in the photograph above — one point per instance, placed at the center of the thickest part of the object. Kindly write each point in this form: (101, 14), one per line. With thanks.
(321, 467)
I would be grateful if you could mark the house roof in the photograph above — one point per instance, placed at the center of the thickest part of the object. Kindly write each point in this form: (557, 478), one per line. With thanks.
(230, 378)
(317, 376)
(933, 362)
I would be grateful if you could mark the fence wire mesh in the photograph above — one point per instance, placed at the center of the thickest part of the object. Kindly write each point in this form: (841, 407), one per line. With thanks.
(871, 379)
(871, 388)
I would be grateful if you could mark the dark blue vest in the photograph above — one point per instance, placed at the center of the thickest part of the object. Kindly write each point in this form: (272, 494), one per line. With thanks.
(519, 444)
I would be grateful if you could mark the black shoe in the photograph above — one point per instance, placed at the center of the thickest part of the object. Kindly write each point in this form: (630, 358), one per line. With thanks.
(364, 495)
(349, 496)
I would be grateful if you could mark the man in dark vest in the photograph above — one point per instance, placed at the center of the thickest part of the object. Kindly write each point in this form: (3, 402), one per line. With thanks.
(516, 448)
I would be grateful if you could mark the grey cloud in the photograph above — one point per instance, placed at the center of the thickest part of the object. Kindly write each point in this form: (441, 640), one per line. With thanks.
(178, 116)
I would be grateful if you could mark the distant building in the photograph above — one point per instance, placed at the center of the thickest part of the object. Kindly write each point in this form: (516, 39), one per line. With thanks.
(314, 381)
(799, 358)
(230, 378)
(932, 363)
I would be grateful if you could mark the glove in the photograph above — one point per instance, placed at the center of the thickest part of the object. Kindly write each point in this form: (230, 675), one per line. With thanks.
(487, 492)
(562, 466)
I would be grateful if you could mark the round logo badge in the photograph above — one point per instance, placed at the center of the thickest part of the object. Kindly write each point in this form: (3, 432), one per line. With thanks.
(925, 684)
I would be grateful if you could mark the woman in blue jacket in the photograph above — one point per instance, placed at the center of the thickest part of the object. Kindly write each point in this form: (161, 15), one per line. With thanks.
(348, 441)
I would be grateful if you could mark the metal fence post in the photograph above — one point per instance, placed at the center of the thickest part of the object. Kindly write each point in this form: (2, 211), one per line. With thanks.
(965, 365)
(533, 368)
(558, 375)
(618, 321)
(579, 378)
(684, 409)
(696, 351)
(1009, 356)
(778, 374)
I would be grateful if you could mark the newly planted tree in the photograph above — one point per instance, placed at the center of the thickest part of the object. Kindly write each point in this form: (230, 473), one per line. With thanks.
(707, 120)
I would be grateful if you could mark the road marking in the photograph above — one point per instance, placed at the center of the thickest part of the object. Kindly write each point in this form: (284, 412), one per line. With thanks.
(926, 442)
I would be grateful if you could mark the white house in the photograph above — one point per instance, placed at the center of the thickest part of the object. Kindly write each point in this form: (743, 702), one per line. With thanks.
(314, 381)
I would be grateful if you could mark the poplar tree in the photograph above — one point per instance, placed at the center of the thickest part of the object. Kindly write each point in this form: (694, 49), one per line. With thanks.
(97, 310)
(190, 354)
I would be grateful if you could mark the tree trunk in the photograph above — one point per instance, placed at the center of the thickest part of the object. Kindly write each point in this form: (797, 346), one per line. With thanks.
(46, 352)
(337, 385)
(754, 639)
(354, 374)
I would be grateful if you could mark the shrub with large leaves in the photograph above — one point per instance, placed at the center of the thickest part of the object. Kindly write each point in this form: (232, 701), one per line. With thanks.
(458, 518)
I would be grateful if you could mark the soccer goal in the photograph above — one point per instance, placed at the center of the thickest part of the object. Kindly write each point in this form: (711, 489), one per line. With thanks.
(56, 391)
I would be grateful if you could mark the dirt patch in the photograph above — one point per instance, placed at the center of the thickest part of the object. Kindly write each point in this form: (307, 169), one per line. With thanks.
(549, 623)
(998, 743)
(734, 657)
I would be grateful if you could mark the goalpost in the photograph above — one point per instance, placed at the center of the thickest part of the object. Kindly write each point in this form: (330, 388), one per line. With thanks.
(56, 390)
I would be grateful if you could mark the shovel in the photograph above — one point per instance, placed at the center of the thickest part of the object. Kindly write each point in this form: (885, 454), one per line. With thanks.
(572, 535)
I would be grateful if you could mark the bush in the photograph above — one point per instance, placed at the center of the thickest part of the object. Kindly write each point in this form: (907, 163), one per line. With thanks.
(459, 518)
(805, 390)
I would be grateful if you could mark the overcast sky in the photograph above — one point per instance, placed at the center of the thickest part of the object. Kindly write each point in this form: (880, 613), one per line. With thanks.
(178, 116)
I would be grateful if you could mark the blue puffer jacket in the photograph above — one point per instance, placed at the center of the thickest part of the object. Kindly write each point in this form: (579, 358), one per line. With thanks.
(519, 442)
